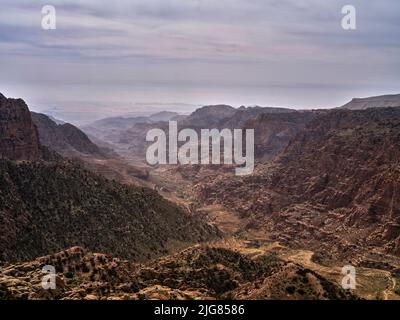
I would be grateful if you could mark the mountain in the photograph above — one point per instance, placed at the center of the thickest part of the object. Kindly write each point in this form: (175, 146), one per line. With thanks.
(373, 102)
(133, 143)
(334, 186)
(273, 131)
(109, 129)
(64, 138)
(18, 136)
(209, 116)
(223, 116)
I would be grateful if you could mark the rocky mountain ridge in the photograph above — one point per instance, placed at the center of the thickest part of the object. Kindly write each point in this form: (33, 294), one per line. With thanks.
(19, 138)
(66, 139)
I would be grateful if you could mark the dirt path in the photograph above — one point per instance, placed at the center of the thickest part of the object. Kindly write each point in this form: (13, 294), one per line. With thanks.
(388, 293)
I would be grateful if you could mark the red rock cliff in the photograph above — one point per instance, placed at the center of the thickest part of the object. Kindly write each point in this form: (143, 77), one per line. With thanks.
(18, 135)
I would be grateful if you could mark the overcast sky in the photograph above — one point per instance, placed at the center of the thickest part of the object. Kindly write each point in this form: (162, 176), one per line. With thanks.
(110, 56)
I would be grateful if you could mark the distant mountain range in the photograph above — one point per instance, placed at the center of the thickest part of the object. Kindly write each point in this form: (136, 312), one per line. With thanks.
(373, 102)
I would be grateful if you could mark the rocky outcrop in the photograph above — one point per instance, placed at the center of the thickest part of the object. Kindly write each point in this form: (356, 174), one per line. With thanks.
(18, 136)
(274, 130)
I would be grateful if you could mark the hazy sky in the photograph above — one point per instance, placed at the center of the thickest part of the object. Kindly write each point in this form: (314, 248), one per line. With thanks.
(115, 55)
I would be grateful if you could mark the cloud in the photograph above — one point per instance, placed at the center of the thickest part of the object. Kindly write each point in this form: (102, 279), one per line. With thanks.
(266, 45)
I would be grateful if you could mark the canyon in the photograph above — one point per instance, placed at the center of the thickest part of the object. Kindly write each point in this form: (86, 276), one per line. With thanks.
(324, 194)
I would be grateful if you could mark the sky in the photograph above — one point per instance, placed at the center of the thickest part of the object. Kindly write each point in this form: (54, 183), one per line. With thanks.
(128, 56)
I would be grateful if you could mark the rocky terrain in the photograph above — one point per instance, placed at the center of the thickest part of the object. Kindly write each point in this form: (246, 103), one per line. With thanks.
(201, 272)
(40, 199)
(209, 116)
(274, 130)
(110, 129)
(335, 182)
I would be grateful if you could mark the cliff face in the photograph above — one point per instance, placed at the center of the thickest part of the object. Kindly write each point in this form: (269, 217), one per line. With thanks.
(18, 136)
(273, 131)
(337, 181)
(346, 158)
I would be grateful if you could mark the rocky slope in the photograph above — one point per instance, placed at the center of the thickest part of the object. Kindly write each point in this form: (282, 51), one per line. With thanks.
(45, 207)
(205, 272)
(274, 130)
(65, 138)
(274, 127)
(18, 136)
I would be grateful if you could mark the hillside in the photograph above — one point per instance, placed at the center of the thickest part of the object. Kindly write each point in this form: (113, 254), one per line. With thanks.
(202, 272)
(46, 207)
(64, 138)
(284, 123)
(335, 185)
